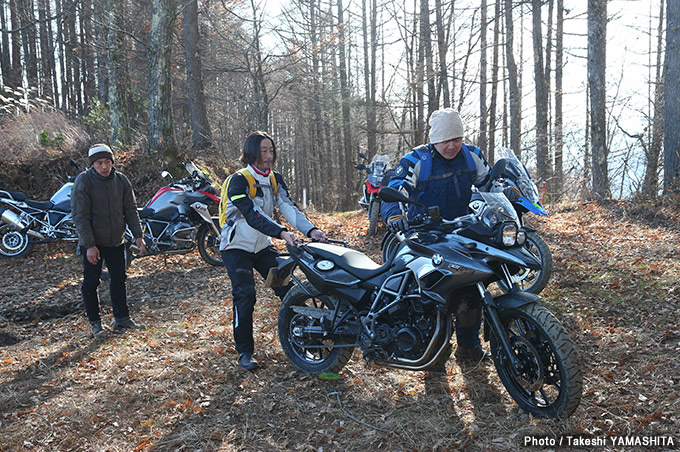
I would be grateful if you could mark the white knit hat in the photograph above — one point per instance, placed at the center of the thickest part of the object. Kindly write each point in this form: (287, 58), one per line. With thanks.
(99, 151)
(445, 125)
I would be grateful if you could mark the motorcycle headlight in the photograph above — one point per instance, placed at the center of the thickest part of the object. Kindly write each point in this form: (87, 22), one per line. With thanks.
(509, 234)
(521, 237)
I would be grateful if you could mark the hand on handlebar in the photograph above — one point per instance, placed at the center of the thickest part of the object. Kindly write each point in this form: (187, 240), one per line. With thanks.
(318, 236)
(397, 223)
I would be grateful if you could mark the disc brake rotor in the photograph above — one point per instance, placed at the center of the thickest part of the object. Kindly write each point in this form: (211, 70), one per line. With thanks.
(12, 241)
(531, 373)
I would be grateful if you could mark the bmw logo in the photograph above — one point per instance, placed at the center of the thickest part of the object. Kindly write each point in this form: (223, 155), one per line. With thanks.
(437, 259)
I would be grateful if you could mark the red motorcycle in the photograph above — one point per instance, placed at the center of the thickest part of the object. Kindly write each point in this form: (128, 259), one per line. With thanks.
(379, 175)
(176, 219)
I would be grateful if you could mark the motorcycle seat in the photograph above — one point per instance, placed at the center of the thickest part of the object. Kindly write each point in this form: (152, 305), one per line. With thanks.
(352, 261)
(42, 205)
(16, 195)
(145, 212)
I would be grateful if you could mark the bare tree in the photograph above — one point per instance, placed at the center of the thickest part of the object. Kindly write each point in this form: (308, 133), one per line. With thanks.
(198, 116)
(559, 67)
(671, 139)
(650, 184)
(541, 90)
(483, 112)
(514, 95)
(442, 50)
(161, 133)
(597, 64)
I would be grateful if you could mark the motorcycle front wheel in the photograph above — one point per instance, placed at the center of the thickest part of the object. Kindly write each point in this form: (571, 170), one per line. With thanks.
(373, 217)
(301, 333)
(13, 243)
(548, 381)
(209, 245)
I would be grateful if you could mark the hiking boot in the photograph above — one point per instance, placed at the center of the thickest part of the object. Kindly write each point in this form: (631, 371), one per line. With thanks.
(97, 330)
(124, 323)
(247, 362)
(473, 354)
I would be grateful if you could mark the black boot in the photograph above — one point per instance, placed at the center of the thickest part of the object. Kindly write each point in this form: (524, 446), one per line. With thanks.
(246, 361)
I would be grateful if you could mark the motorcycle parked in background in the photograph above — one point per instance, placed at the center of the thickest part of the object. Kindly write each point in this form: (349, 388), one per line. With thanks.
(379, 174)
(400, 314)
(176, 219)
(515, 174)
(25, 222)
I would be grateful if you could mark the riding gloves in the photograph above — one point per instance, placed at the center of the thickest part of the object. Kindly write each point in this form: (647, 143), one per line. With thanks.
(397, 223)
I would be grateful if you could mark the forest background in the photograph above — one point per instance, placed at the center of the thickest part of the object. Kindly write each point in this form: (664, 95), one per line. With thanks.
(577, 88)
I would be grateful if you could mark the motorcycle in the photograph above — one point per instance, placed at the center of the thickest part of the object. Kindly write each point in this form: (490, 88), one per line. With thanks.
(379, 174)
(399, 313)
(510, 171)
(176, 219)
(515, 174)
(25, 222)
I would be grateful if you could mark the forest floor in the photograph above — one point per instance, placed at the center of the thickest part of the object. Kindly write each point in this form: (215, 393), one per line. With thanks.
(175, 385)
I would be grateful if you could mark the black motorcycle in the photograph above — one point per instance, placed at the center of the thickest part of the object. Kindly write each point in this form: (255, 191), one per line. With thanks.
(378, 176)
(25, 222)
(176, 219)
(400, 313)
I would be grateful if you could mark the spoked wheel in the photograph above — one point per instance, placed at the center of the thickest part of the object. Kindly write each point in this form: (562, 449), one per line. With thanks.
(209, 245)
(13, 243)
(533, 281)
(303, 321)
(548, 382)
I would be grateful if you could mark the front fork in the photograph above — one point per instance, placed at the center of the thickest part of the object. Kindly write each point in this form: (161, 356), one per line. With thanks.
(492, 319)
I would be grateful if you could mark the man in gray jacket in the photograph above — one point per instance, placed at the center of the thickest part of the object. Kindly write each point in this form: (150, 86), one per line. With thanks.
(102, 203)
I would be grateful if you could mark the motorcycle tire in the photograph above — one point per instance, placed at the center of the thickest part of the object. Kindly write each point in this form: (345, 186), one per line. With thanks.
(373, 217)
(389, 246)
(533, 281)
(209, 245)
(312, 355)
(549, 384)
(13, 243)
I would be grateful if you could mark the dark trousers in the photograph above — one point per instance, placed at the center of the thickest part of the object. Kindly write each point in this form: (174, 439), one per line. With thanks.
(467, 328)
(240, 265)
(115, 262)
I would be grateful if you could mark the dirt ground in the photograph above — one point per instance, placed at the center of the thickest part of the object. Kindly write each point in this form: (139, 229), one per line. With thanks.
(174, 384)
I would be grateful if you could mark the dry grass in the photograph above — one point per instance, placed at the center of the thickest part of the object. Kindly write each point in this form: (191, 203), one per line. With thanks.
(175, 385)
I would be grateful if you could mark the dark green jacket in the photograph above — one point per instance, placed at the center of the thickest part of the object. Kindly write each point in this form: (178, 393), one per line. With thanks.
(102, 206)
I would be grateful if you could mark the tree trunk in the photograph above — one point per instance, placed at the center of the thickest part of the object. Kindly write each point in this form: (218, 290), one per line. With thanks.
(597, 63)
(442, 49)
(116, 65)
(432, 101)
(490, 152)
(515, 113)
(200, 128)
(87, 51)
(559, 140)
(541, 90)
(161, 133)
(650, 185)
(483, 112)
(671, 141)
(369, 75)
(5, 61)
(28, 40)
(345, 95)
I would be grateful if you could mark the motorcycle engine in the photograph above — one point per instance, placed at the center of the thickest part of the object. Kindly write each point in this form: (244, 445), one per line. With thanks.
(183, 235)
(403, 331)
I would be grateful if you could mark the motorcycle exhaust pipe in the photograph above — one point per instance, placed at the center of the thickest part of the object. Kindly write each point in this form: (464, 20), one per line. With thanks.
(15, 222)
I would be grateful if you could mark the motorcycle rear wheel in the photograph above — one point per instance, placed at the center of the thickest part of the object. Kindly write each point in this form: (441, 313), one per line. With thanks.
(13, 243)
(549, 383)
(309, 354)
(209, 245)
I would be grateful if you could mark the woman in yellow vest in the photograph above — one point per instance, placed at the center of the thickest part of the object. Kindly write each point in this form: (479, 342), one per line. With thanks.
(248, 200)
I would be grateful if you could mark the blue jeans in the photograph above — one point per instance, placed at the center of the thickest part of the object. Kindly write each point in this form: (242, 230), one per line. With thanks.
(240, 265)
(115, 262)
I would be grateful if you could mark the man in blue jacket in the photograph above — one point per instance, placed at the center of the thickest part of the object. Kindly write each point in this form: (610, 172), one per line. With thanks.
(441, 173)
